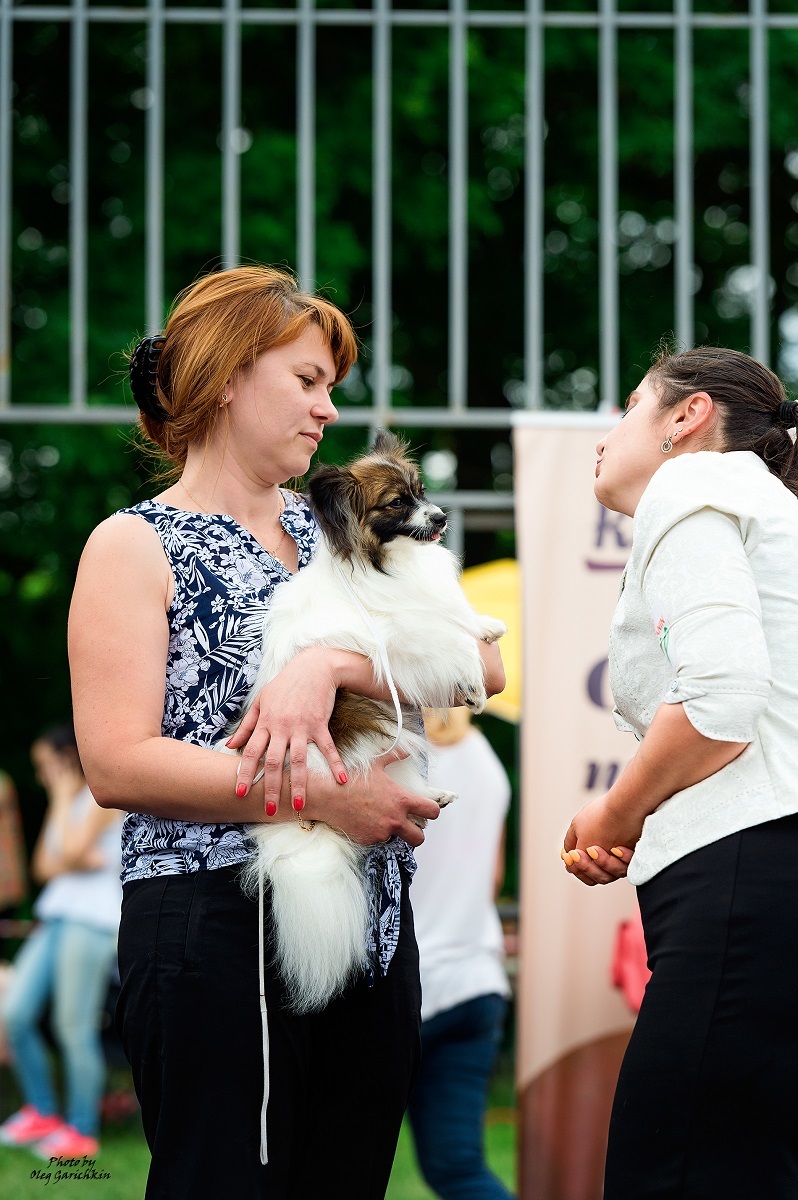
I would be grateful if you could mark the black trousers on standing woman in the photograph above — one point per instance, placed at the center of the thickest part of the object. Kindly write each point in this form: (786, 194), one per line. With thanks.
(189, 1019)
(707, 1101)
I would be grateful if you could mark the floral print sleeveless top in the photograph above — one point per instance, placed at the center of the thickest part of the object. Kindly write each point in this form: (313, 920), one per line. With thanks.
(223, 581)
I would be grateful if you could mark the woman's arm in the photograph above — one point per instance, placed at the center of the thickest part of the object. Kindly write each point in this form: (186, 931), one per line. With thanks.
(672, 756)
(495, 679)
(281, 721)
(118, 643)
(45, 862)
(79, 849)
(706, 614)
(66, 846)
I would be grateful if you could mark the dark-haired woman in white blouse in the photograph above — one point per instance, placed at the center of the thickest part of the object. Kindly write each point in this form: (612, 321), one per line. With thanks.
(704, 672)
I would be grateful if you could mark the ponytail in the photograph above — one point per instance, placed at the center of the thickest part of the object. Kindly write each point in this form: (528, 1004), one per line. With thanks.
(754, 410)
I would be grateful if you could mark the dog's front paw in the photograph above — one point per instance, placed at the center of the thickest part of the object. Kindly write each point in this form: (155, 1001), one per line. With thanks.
(420, 821)
(473, 697)
(441, 798)
(491, 629)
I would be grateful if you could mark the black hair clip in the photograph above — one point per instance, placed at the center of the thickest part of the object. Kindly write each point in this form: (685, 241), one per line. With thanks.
(143, 370)
(787, 414)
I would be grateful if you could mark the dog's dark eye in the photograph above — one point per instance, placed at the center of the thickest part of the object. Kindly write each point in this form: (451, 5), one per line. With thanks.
(397, 503)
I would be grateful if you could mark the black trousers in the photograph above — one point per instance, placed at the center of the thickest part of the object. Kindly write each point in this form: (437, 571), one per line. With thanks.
(189, 1019)
(707, 1101)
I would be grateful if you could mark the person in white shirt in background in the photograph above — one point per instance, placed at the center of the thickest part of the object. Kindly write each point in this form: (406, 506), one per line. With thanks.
(464, 987)
(67, 959)
(704, 671)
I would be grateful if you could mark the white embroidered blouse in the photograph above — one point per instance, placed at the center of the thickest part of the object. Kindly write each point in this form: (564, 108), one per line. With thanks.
(708, 617)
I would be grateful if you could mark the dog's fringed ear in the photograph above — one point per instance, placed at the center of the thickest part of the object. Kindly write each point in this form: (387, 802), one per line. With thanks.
(332, 492)
(388, 444)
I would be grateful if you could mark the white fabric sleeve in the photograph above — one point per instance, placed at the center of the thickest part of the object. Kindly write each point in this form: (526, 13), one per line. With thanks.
(706, 615)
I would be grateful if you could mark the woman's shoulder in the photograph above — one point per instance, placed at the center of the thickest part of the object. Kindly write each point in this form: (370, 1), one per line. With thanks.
(705, 471)
(124, 527)
(735, 483)
(122, 543)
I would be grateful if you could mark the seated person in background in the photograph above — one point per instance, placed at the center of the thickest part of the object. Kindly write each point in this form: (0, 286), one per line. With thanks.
(67, 959)
(463, 984)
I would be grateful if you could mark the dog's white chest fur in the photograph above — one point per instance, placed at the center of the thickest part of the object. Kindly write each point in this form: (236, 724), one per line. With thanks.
(427, 626)
(381, 555)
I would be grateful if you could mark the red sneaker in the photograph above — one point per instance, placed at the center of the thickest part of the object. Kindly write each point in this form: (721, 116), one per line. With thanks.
(28, 1126)
(67, 1142)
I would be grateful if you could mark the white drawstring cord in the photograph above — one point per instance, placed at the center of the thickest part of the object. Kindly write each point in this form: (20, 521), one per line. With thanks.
(264, 1022)
(312, 833)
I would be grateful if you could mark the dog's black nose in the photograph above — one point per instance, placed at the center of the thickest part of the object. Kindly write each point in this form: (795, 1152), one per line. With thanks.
(438, 520)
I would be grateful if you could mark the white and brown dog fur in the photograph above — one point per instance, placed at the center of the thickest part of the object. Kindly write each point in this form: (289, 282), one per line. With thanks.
(382, 530)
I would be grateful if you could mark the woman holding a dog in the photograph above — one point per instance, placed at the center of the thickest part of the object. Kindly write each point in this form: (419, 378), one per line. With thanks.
(704, 672)
(165, 634)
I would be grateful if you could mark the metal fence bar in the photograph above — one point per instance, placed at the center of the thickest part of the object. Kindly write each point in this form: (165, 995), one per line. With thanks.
(153, 233)
(533, 207)
(231, 121)
(78, 179)
(407, 17)
(6, 60)
(458, 208)
(306, 146)
(683, 176)
(608, 207)
(760, 183)
(381, 211)
(455, 524)
(405, 418)
(457, 19)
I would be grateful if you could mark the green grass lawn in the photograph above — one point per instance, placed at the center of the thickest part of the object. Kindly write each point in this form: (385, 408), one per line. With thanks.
(124, 1157)
(406, 1182)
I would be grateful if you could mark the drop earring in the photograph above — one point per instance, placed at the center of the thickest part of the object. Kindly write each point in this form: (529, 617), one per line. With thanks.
(667, 445)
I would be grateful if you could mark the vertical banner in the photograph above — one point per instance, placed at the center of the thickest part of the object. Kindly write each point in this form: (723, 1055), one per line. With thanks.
(573, 1024)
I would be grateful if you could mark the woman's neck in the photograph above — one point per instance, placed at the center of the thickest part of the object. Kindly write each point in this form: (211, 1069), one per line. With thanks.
(211, 487)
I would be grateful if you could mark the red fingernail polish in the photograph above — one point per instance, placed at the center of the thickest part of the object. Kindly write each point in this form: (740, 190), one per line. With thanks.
(271, 808)
(299, 803)
(241, 790)
(342, 778)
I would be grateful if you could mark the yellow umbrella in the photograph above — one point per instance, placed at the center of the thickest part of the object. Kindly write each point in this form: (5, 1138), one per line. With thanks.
(495, 589)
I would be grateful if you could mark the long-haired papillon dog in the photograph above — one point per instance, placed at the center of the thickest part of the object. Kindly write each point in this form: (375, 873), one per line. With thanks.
(380, 575)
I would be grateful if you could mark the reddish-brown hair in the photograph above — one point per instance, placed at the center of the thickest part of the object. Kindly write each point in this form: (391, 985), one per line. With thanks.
(747, 395)
(220, 325)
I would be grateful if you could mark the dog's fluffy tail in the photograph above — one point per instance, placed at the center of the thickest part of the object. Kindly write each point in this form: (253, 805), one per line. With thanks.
(320, 908)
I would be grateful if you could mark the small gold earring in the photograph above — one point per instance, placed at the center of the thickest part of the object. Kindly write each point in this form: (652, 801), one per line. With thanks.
(223, 401)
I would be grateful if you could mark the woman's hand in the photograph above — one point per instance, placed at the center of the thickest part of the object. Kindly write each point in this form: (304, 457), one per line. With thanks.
(595, 865)
(599, 844)
(289, 712)
(374, 807)
(657, 771)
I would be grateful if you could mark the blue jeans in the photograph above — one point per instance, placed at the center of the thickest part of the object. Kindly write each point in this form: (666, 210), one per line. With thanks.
(458, 1052)
(71, 964)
